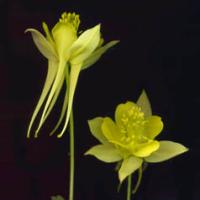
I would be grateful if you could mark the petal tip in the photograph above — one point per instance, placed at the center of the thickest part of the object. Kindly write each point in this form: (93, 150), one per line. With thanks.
(87, 153)
(59, 136)
(27, 30)
(186, 149)
(30, 30)
(98, 27)
(121, 178)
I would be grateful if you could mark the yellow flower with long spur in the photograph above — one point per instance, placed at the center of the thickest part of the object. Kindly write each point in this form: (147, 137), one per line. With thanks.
(131, 139)
(68, 53)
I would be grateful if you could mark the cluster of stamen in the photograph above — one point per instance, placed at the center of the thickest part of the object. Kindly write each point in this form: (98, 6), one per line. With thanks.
(133, 122)
(71, 18)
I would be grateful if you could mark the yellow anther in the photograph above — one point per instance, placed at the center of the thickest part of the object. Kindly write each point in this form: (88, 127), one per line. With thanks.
(71, 18)
(123, 138)
(130, 112)
(128, 139)
(124, 120)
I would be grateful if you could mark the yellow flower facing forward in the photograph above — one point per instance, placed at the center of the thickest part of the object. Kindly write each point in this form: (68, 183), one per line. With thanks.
(130, 139)
(67, 53)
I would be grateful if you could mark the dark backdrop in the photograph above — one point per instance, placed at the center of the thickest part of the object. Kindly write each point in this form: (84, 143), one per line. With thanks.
(159, 51)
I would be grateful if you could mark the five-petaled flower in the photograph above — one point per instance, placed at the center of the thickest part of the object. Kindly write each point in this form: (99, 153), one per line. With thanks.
(131, 139)
(67, 54)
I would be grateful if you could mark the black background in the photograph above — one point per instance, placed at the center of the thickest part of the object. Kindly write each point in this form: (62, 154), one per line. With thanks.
(159, 51)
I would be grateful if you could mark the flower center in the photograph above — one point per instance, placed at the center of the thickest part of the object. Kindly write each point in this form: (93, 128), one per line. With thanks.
(132, 126)
(65, 33)
(71, 18)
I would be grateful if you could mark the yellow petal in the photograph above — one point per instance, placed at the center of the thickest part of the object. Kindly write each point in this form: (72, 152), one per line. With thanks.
(64, 35)
(144, 150)
(153, 126)
(121, 113)
(111, 131)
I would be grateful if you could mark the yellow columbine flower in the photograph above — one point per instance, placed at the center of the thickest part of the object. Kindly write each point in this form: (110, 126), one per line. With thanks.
(131, 139)
(67, 54)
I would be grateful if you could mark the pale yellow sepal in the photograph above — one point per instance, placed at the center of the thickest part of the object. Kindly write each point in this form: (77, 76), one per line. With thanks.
(43, 45)
(144, 103)
(129, 166)
(167, 150)
(95, 126)
(96, 55)
(105, 152)
(83, 47)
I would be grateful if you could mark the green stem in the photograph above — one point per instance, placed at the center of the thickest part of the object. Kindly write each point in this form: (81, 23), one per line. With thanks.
(71, 178)
(139, 180)
(71, 145)
(129, 187)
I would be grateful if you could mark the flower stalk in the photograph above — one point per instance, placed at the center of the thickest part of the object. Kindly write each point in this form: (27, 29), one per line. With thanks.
(72, 156)
(129, 184)
(71, 149)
